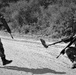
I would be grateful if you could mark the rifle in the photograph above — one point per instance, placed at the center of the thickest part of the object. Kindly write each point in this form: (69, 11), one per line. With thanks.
(8, 30)
(62, 40)
(63, 51)
(6, 26)
(46, 45)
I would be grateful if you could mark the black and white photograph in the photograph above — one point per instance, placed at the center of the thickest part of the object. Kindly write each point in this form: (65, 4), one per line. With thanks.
(37, 37)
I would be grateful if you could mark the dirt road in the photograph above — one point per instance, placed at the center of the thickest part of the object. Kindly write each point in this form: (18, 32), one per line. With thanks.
(31, 58)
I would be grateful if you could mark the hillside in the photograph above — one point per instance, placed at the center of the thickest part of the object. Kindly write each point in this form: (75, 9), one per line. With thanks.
(50, 18)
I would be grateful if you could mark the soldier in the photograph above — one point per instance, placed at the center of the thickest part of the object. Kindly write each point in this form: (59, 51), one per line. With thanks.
(72, 41)
(2, 54)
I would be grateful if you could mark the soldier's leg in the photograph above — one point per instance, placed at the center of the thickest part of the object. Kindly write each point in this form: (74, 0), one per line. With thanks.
(2, 55)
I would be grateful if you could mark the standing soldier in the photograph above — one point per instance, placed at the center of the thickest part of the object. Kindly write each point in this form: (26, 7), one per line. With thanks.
(2, 54)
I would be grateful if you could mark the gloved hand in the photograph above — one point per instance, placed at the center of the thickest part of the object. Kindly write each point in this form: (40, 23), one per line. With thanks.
(62, 52)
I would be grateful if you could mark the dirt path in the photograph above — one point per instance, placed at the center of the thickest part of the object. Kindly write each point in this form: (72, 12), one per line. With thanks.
(31, 58)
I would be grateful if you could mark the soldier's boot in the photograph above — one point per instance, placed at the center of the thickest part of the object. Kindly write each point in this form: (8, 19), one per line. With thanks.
(5, 61)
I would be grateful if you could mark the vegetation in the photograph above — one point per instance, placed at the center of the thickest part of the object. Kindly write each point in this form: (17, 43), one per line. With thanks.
(40, 17)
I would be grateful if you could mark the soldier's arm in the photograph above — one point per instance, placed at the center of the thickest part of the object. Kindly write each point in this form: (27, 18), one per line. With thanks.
(66, 40)
(63, 51)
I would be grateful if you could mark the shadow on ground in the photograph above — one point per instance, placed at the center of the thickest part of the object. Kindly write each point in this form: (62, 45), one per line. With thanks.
(32, 70)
